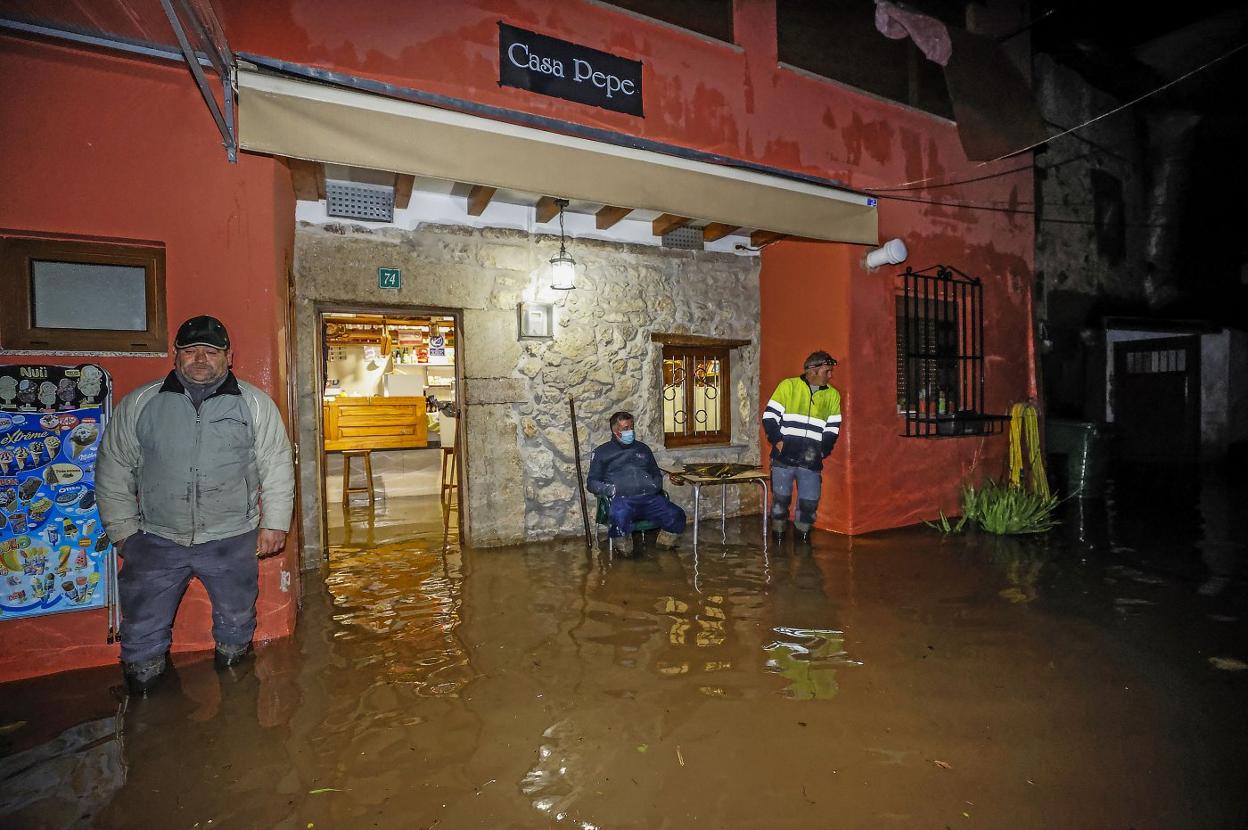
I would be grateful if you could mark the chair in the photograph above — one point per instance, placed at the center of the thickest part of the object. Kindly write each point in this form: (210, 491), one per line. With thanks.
(450, 471)
(347, 489)
(603, 518)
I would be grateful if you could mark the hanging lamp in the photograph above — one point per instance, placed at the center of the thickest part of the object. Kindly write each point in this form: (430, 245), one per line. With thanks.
(562, 265)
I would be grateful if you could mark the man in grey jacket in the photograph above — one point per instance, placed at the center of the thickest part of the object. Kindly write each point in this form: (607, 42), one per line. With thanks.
(194, 478)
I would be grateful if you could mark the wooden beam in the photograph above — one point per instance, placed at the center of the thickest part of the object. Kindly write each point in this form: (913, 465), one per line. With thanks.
(760, 238)
(547, 208)
(667, 223)
(478, 198)
(608, 216)
(717, 230)
(308, 178)
(696, 340)
(403, 184)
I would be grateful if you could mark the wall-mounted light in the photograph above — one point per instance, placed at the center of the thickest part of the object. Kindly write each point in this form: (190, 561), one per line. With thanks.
(892, 252)
(562, 266)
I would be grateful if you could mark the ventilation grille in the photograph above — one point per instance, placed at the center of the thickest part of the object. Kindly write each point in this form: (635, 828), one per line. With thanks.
(355, 200)
(685, 238)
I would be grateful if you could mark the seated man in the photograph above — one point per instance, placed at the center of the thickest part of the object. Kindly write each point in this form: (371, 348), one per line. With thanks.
(624, 470)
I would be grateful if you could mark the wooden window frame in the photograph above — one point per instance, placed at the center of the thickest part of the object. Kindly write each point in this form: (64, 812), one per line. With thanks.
(688, 348)
(19, 249)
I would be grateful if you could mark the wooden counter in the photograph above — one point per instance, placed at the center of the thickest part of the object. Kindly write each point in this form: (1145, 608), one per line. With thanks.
(375, 423)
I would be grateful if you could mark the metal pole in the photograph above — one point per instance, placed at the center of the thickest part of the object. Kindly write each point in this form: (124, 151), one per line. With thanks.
(580, 478)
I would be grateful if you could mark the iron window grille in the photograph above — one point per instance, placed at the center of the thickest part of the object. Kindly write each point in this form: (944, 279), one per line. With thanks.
(940, 354)
(695, 399)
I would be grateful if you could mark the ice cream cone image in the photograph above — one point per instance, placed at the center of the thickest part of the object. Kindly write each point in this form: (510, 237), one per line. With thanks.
(83, 436)
(6, 462)
(53, 445)
(20, 455)
(36, 453)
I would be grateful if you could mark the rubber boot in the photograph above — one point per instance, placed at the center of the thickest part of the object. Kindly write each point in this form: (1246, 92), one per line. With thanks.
(144, 676)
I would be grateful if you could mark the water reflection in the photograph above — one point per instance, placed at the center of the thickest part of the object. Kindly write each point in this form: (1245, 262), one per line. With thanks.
(537, 686)
(401, 602)
(808, 659)
(66, 781)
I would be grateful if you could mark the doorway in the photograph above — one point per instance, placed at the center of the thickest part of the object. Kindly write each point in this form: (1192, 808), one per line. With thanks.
(389, 426)
(1156, 393)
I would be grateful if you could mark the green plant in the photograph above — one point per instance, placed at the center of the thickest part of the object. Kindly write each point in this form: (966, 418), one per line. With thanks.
(945, 526)
(1003, 509)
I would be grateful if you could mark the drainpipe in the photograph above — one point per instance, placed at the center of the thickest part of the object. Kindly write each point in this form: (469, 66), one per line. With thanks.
(1171, 135)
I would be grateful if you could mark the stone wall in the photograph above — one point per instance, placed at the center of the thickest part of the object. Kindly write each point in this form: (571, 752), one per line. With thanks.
(517, 441)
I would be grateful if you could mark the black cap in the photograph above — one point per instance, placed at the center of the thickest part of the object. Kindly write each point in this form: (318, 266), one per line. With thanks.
(817, 359)
(202, 331)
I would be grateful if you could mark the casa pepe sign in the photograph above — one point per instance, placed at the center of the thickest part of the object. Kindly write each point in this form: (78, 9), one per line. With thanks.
(566, 70)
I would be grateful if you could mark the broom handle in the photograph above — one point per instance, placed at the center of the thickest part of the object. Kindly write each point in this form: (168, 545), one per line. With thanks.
(580, 478)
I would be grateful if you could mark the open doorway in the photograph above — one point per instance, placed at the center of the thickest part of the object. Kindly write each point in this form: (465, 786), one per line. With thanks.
(389, 422)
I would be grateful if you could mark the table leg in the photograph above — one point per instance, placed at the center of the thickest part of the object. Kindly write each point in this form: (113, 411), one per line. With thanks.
(723, 514)
(762, 482)
(697, 501)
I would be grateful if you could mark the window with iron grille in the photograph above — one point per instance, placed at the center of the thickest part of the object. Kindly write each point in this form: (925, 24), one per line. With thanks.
(695, 385)
(695, 397)
(940, 354)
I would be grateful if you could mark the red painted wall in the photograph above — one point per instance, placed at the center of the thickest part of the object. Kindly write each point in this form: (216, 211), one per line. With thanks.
(817, 296)
(97, 144)
(100, 145)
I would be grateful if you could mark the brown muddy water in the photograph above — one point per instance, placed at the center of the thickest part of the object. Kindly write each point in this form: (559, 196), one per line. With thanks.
(1091, 679)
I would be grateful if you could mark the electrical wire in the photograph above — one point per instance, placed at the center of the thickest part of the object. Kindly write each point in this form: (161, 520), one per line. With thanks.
(1019, 211)
(1090, 121)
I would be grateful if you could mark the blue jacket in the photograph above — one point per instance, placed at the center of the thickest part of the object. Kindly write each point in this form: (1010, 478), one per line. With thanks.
(632, 469)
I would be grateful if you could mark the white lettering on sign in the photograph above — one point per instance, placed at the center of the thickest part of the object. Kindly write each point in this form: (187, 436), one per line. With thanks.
(520, 56)
(583, 70)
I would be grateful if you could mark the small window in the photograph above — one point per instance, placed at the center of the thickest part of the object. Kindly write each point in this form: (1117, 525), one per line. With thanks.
(940, 354)
(696, 374)
(81, 294)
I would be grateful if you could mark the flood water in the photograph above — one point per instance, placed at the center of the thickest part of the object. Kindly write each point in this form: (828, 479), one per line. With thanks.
(1091, 679)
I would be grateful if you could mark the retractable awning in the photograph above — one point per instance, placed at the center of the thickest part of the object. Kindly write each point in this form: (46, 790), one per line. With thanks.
(303, 119)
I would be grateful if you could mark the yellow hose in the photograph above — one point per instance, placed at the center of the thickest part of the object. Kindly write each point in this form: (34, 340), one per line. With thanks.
(1023, 419)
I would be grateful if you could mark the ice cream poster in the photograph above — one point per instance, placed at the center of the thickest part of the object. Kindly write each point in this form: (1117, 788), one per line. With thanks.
(53, 549)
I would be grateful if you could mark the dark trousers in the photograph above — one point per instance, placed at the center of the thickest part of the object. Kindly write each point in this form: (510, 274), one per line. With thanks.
(154, 575)
(625, 510)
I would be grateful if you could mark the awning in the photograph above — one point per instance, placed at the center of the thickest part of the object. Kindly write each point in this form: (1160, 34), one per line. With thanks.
(318, 122)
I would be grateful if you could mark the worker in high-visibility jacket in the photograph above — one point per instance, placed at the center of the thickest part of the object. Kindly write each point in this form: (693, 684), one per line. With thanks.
(802, 421)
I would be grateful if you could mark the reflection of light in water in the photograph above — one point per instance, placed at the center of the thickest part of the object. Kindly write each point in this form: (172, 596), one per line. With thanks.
(404, 601)
(553, 782)
(808, 660)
